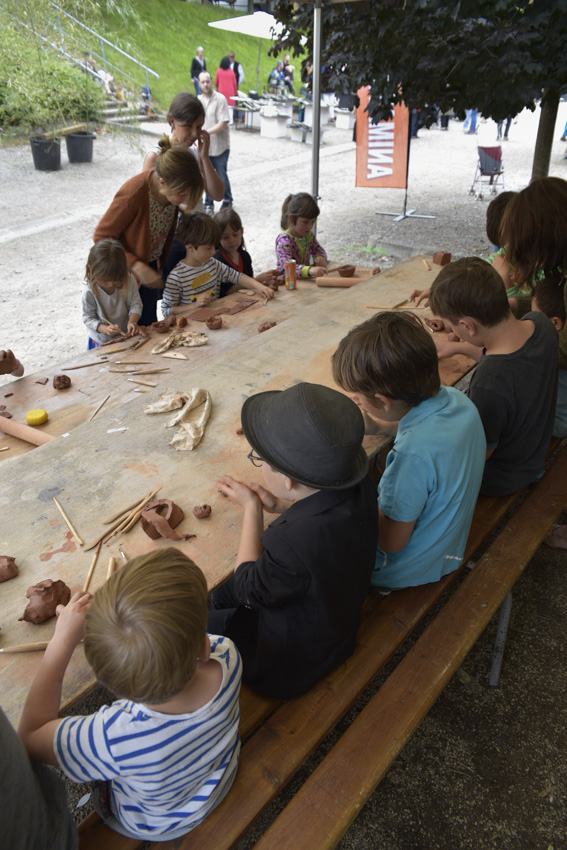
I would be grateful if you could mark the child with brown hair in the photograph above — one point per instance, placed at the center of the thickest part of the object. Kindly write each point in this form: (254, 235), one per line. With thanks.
(111, 302)
(165, 753)
(143, 217)
(428, 491)
(197, 279)
(514, 385)
(231, 249)
(549, 298)
(297, 242)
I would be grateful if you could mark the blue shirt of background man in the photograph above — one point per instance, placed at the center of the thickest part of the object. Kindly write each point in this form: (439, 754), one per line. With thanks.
(433, 475)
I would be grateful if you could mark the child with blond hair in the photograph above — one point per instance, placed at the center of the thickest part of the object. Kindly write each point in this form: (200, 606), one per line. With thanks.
(165, 753)
(111, 301)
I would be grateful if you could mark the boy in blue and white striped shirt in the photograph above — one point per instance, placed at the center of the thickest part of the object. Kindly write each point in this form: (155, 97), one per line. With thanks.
(165, 754)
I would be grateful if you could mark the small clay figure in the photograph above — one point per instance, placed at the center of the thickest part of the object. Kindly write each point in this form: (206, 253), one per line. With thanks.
(160, 327)
(265, 326)
(346, 271)
(155, 525)
(44, 598)
(214, 323)
(202, 511)
(182, 322)
(61, 382)
(42, 381)
(240, 431)
(441, 258)
(8, 567)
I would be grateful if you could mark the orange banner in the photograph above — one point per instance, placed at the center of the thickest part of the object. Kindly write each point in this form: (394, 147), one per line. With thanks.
(381, 149)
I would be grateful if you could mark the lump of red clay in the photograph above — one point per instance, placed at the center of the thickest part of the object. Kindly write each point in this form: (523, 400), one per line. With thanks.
(214, 323)
(61, 382)
(441, 258)
(159, 518)
(346, 271)
(44, 598)
(8, 568)
(240, 431)
(182, 322)
(265, 326)
(42, 381)
(202, 511)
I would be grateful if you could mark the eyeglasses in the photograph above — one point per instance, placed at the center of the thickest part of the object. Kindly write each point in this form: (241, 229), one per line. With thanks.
(255, 459)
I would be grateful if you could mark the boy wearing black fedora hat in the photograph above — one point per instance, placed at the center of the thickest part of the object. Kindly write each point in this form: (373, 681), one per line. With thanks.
(294, 603)
(430, 484)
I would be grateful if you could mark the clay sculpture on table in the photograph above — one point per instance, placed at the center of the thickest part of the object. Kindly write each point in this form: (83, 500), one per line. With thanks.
(265, 326)
(61, 382)
(441, 258)
(346, 271)
(44, 598)
(202, 511)
(157, 525)
(214, 323)
(8, 567)
(182, 322)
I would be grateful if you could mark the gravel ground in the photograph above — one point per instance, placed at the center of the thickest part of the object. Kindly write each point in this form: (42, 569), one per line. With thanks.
(486, 769)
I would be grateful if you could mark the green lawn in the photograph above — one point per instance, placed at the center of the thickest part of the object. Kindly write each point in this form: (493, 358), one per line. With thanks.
(167, 41)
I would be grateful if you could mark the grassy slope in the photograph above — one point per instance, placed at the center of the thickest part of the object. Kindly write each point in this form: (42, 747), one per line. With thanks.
(171, 32)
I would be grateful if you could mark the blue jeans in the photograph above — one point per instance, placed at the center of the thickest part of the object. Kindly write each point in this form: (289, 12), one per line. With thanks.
(197, 86)
(220, 163)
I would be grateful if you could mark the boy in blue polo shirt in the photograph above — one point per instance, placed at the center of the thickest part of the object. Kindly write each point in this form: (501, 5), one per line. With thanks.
(429, 488)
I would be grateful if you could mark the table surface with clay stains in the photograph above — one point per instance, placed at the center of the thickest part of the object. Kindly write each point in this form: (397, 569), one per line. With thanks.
(121, 455)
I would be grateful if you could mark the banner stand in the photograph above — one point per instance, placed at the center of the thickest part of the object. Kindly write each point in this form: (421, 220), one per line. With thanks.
(406, 213)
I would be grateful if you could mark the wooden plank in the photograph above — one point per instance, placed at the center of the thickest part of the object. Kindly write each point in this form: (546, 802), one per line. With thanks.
(333, 795)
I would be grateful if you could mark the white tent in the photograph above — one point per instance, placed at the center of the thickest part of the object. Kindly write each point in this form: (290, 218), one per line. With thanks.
(260, 25)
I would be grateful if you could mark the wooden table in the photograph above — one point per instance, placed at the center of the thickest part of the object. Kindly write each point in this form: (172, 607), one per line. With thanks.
(93, 472)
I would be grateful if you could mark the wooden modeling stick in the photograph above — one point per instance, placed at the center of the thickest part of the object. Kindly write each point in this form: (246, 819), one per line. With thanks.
(104, 355)
(94, 413)
(133, 517)
(91, 570)
(119, 522)
(68, 521)
(144, 383)
(24, 432)
(84, 365)
(121, 513)
(111, 567)
(26, 647)
(6, 448)
(131, 362)
(150, 371)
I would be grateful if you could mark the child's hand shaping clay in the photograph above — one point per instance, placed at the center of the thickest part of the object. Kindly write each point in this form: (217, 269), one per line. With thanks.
(236, 491)
(320, 261)
(317, 271)
(204, 298)
(133, 328)
(419, 295)
(109, 330)
(70, 626)
(270, 503)
(266, 292)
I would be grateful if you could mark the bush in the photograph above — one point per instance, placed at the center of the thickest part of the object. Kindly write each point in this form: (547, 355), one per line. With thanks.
(38, 90)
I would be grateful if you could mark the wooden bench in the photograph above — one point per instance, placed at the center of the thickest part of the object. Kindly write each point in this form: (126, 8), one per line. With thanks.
(278, 737)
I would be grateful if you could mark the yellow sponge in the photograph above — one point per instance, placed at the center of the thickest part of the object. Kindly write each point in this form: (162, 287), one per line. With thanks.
(36, 417)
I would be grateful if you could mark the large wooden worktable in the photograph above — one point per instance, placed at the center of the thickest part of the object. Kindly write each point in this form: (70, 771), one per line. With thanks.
(93, 472)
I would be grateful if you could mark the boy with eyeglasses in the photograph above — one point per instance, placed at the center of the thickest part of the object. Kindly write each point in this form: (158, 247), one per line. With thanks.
(294, 602)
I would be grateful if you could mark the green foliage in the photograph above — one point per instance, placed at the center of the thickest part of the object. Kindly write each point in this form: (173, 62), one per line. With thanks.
(495, 55)
(38, 90)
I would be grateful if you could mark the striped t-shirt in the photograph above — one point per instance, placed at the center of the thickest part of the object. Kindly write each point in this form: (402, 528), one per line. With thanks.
(167, 771)
(185, 282)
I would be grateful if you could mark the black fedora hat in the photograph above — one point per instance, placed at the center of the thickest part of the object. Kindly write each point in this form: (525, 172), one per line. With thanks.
(308, 432)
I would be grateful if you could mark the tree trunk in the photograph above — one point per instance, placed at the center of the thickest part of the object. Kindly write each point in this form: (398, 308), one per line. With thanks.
(250, 7)
(546, 129)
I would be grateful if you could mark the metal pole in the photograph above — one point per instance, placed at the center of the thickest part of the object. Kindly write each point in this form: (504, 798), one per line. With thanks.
(316, 91)
(258, 65)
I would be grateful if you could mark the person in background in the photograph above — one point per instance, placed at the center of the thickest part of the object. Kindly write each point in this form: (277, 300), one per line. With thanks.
(288, 73)
(217, 119)
(197, 65)
(236, 67)
(225, 83)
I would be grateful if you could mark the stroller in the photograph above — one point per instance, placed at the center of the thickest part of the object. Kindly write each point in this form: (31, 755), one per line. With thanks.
(489, 169)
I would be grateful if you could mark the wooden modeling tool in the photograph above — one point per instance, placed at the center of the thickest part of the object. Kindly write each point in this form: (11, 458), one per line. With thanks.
(5, 449)
(26, 647)
(68, 521)
(91, 569)
(84, 365)
(94, 413)
(426, 264)
(104, 355)
(24, 432)
(150, 371)
(140, 343)
(144, 383)
(111, 567)
(121, 513)
(175, 355)
(131, 362)
(119, 523)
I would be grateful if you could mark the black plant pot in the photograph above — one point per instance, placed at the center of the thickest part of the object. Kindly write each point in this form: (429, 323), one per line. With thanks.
(80, 146)
(46, 153)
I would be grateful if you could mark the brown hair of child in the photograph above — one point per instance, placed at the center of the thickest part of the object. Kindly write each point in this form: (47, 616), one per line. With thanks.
(469, 287)
(494, 213)
(107, 262)
(146, 625)
(179, 170)
(186, 108)
(550, 298)
(198, 229)
(300, 205)
(534, 228)
(228, 217)
(391, 354)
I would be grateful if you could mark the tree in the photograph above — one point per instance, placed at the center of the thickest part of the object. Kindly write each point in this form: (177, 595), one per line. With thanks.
(495, 55)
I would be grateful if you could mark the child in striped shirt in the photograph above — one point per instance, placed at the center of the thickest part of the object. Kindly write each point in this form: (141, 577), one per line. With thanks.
(165, 753)
(197, 279)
